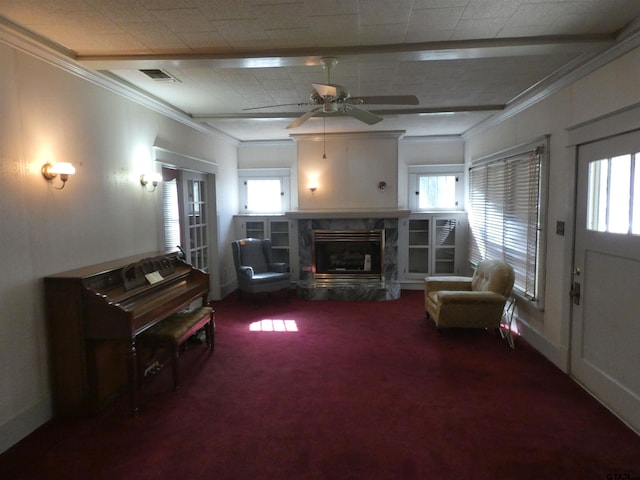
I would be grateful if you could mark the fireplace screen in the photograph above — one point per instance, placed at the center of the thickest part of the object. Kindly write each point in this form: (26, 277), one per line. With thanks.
(348, 256)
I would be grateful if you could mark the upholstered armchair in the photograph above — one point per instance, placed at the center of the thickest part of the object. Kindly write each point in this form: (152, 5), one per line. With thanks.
(255, 269)
(469, 302)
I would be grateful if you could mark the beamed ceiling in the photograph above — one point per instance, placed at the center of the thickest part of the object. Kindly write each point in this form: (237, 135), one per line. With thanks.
(466, 61)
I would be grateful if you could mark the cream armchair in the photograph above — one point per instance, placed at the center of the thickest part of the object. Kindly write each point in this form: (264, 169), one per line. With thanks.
(469, 302)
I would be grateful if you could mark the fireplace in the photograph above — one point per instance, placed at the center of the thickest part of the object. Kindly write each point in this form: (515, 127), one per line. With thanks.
(348, 257)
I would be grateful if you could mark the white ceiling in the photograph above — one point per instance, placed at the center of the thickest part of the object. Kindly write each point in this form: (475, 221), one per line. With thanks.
(464, 59)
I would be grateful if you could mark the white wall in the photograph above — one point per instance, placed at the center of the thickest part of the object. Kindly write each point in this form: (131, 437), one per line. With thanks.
(348, 177)
(370, 163)
(606, 90)
(274, 154)
(103, 213)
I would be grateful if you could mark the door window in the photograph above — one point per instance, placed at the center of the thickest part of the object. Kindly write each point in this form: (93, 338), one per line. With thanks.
(613, 195)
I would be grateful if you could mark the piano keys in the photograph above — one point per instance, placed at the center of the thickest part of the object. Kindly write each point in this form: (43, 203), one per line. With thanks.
(94, 315)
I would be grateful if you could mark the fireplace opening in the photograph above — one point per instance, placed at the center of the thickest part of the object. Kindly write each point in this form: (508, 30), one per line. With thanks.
(348, 257)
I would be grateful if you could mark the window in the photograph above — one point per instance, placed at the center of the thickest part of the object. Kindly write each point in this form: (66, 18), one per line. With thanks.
(612, 205)
(505, 215)
(170, 209)
(264, 190)
(435, 187)
(263, 195)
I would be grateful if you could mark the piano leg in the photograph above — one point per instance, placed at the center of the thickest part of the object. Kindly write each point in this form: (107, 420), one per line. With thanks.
(132, 360)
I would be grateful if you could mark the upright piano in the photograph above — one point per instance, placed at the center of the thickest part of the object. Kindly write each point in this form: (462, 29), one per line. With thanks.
(94, 314)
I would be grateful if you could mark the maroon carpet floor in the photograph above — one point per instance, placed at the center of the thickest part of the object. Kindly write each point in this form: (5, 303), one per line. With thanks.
(363, 390)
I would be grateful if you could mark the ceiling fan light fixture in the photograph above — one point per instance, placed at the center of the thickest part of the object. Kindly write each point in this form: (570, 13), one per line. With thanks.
(328, 107)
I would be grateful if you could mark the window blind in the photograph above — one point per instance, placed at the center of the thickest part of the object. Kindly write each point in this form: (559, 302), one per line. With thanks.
(171, 214)
(504, 216)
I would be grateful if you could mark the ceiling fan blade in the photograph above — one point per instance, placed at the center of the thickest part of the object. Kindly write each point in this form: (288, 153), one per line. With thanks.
(362, 115)
(385, 100)
(274, 106)
(303, 118)
(326, 89)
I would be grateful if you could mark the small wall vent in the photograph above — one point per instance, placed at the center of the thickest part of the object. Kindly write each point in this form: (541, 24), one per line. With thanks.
(159, 75)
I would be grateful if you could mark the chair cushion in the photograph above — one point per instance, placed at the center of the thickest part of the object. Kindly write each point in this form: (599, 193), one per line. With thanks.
(493, 276)
(252, 253)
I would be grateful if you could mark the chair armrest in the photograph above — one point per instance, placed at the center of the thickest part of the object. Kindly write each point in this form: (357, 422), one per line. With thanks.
(279, 267)
(434, 284)
(470, 298)
(246, 271)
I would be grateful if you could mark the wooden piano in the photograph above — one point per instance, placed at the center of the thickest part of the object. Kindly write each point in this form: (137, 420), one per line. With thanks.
(94, 314)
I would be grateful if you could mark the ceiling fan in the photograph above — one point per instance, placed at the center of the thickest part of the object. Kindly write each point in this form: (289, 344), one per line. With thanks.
(330, 98)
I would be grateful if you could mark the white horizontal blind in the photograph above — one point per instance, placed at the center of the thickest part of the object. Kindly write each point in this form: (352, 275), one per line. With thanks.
(170, 210)
(478, 186)
(504, 198)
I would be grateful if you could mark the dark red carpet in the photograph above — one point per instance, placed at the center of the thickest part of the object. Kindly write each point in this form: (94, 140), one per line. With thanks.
(364, 390)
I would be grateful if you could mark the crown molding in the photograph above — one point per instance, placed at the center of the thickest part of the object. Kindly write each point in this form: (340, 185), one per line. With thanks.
(268, 143)
(432, 139)
(52, 54)
(582, 66)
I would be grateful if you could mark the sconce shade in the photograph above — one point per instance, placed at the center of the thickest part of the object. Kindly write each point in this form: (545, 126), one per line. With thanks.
(64, 169)
(153, 178)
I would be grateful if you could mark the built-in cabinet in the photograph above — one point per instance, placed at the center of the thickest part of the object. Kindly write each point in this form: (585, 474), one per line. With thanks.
(280, 230)
(428, 243)
(434, 244)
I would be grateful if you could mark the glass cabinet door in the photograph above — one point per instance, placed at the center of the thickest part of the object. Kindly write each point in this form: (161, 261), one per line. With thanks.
(419, 246)
(445, 246)
(255, 229)
(279, 234)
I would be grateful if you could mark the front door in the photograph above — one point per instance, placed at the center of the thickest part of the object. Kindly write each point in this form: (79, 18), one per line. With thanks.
(605, 338)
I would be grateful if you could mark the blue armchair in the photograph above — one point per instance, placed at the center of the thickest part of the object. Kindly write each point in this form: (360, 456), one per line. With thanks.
(255, 269)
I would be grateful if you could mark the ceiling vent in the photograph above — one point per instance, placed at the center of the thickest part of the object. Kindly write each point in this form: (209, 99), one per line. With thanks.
(159, 75)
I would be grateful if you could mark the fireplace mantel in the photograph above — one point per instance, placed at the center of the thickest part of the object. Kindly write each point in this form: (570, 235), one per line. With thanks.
(348, 213)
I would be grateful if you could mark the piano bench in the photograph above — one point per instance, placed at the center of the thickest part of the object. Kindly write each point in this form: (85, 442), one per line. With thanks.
(173, 331)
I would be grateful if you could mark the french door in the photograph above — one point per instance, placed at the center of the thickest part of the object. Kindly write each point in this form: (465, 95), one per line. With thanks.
(195, 225)
(605, 348)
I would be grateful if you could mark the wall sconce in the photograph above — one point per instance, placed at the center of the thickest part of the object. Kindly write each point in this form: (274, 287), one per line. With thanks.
(153, 178)
(51, 171)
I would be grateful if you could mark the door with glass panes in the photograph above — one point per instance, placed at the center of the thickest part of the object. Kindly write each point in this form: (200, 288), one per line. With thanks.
(605, 327)
(195, 228)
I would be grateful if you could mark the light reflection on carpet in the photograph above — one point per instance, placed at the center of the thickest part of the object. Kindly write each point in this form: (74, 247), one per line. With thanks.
(274, 325)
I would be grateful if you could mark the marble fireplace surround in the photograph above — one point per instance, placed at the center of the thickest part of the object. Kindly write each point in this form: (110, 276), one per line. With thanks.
(308, 221)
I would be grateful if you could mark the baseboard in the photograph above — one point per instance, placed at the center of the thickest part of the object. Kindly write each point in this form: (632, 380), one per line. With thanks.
(412, 284)
(228, 288)
(22, 425)
(559, 356)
